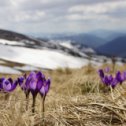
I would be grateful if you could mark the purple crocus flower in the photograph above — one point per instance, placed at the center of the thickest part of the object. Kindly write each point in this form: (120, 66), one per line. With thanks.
(124, 75)
(32, 83)
(109, 80)
(35, 82)
(23, 80)
(114, 82)
(101, 73)
(45, 87)
(119, 77)
(9, 85)
(105, 80)
(43, 92)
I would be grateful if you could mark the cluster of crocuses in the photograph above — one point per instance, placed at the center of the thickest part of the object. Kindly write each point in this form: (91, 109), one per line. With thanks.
(34, 83)
(110, 80)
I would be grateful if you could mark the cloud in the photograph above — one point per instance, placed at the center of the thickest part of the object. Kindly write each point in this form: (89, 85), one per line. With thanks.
(100, 8)
(29, 16)
(100, 15)
(52, 16)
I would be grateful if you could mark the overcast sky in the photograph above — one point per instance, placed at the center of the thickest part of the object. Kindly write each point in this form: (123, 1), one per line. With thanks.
(59, 16)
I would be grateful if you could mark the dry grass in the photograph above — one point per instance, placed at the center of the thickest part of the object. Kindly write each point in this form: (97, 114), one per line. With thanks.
(76, 98)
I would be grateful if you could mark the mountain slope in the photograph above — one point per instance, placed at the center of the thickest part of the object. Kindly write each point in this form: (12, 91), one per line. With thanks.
(85, 39)
(22, 49)
(10, 35)
(116, 47)
(46, 54)
(45, 58)
(108, 35)
(17, 39)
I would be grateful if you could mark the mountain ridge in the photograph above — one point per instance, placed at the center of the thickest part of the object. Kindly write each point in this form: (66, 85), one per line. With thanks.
(116, 47)
(83, 38)
(31, 42)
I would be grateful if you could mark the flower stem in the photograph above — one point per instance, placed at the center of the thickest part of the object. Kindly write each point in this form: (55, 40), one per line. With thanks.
(27, 101)
(43, 111)
(111, 93)
(113, 63)
(33, 104)
(6, 96)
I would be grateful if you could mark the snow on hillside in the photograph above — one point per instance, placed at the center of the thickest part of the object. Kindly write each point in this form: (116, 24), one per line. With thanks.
(7, 42)
(67, 45)
(77, 47)
(48, 54)
(8, 70)
(26, 68)
(45, 58)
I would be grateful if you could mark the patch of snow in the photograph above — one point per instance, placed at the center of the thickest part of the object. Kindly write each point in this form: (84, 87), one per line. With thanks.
(27, 41)
(89, 50)
(27, 68)
(8, 70)
(66, 44)
(50, 59)
(7, 42)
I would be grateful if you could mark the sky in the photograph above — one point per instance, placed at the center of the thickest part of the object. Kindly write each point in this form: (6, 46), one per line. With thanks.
(62, 16)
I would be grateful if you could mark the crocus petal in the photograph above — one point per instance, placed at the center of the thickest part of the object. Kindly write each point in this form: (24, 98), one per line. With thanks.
(42, 91)
(110, 78)
(124, 76)
(101, 73)
(118, 77)
(2, 79)
(1, 86)
(40, 83)
(14, 85)
(6, 85)
(29, 79)
(10, 80)
(47, 87)
(20, 80)
(1, 83)
(114, 83)
(106, 80)
(33, 85)
(39, 75)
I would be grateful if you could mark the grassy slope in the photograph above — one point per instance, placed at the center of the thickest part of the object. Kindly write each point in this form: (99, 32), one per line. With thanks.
(76, 98)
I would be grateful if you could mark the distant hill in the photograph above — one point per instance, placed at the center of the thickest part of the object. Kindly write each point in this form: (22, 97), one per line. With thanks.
(116, 47)
(85, 39)
(13, 36)
(108, 35)
(44, 53)
(50, 54)
(77, 49)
